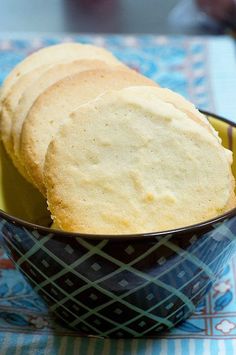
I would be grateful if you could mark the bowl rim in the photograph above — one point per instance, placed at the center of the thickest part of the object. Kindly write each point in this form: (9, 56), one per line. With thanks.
(194, 228)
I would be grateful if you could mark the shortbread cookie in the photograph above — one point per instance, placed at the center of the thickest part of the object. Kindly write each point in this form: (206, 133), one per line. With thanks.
(130, 162)
(37, 87)
(52, 54)
(53, 107)
(44, 57)
(10, 103)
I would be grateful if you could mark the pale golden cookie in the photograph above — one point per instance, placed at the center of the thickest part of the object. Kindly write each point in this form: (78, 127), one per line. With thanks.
(130, 162)
(36, 88)
(50, 55)
(24, 73)
(10, 103)
(53, 107)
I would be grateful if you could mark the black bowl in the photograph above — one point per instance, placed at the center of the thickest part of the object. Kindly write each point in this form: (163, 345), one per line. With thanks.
(123, 286)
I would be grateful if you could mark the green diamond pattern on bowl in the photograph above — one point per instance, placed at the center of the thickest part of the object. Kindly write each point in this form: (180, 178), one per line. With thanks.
(121, 288)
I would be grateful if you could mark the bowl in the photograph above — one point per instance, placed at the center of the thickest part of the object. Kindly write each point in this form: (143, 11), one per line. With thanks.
(116, 286)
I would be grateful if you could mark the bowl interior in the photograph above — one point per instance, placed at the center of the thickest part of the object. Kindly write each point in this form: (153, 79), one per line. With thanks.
(227, 132)
(20, 199)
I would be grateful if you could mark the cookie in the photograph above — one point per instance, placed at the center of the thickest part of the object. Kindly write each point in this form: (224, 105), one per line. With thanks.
(37, 87)
(27, 70)
(53, 107)
(131, 162)
(10, 103)
(51, 54)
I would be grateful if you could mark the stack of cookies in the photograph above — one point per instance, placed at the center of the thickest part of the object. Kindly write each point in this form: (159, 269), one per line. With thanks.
(111, 151)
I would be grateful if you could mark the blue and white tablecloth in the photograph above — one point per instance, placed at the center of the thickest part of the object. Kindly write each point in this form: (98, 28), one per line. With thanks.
(202, 69)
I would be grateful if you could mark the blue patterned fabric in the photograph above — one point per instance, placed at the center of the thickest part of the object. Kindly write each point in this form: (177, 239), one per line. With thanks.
(187, 66)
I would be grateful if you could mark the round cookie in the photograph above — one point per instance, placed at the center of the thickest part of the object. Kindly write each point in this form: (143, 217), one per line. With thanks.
(53, 107)
(44, 57)
(36, 88)
(10, 103)
(50, 55)
(130, 162)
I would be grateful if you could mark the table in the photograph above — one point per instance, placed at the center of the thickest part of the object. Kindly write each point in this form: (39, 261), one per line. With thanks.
(203, 70)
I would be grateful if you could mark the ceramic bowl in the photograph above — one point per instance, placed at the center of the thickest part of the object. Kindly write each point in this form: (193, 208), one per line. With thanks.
(115, 286)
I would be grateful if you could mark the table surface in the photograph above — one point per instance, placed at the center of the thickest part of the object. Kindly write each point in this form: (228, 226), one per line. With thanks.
(200, 68)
